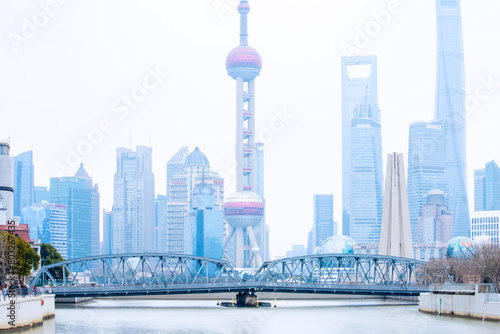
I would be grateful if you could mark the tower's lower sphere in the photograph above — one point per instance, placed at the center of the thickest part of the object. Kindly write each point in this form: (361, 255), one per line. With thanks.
(243, 209)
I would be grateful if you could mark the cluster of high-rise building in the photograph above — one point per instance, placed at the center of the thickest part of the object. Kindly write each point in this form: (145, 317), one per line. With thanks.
(437, 171)
(436, 152)
(188, 220)
(192, 218)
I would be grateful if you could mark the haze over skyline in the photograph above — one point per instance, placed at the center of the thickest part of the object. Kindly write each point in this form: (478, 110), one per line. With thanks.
(71, 76)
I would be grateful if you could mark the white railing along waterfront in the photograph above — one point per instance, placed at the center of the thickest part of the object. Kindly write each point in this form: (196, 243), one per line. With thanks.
(449, 287)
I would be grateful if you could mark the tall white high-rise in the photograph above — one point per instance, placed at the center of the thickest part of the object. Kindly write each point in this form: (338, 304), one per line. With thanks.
(184, 173)
(134, 202)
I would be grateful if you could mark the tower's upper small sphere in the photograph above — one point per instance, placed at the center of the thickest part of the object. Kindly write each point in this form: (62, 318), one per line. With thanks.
(243, 8)
(244, 62)
(243, 209)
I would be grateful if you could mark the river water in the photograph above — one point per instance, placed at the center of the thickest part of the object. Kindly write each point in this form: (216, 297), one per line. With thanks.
(301, 316)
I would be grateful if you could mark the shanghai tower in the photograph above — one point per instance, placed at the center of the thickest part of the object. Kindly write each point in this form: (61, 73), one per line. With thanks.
(450, 109)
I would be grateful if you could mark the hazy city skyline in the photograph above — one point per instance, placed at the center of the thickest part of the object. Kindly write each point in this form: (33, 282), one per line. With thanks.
(70, 75)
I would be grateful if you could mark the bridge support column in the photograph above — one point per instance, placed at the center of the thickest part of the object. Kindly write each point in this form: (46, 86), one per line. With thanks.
(246, 299)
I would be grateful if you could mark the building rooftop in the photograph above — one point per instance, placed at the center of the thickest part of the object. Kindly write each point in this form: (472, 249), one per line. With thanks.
(197, 158)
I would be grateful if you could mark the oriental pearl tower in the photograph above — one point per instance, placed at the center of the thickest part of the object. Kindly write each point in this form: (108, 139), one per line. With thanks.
(244, 209)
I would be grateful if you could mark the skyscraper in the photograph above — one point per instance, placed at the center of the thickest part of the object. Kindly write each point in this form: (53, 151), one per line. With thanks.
(107, 232)
(133, 209)
(435, 223)
(450, 109)
(161, 224)
(362, 176)
(41, 194)
(24, 187)
(244, 209)
(479, 175)
(485, 226)
(203, 226)
(49, 223)
(81, 198)
(194, 170)
(176, 166)
(262, 230)
(426, 171)
(487, 188)
(323, 226)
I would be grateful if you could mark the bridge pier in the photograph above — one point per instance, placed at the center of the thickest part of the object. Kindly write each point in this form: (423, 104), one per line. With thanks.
(244, 299)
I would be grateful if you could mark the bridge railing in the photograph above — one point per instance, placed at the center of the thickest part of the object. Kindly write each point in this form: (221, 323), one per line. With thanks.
(18, 293)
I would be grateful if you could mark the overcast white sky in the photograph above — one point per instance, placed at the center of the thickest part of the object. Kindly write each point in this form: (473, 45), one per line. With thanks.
(70, 73)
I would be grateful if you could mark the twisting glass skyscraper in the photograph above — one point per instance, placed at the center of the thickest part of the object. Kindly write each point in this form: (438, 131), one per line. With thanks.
(450, 109)
(362, 176)
(436, 152)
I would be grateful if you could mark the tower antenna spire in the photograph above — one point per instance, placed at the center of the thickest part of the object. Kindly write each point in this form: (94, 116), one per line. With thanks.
(243, 9)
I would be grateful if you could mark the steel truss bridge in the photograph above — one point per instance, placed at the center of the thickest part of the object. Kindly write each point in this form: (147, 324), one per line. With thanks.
(159, 274)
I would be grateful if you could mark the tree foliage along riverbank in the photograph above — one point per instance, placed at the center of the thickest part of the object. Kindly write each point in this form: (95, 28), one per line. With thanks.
(17, 257)
(480, 265)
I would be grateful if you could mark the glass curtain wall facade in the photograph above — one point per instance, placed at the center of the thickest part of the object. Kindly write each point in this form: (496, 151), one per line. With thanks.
(362, 176)
(161, 224)
(487, 188)
(134, 208)
(450, 109)
(41, 195)
(196, 169)
(107, 232)
(24, 184)
(203, 226)
(48, 222)
(75, 194)
(426, 160)
(323, 227)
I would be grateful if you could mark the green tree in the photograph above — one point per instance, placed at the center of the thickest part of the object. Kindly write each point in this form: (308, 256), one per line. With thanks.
(26, 258)
(50, 255)
(17, 257)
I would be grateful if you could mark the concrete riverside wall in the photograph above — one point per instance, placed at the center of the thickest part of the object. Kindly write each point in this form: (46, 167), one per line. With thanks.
(474, 306)
(28, 311)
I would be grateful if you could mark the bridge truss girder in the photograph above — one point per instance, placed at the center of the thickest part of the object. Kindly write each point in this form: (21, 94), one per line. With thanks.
(336, 269)
(138, 269)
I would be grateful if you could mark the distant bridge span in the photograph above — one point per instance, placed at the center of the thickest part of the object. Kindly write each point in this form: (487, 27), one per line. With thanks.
(160, 274)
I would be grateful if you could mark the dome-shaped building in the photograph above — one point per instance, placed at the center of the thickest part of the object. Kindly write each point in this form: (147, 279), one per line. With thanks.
(197, 158)
(338, 244)
(460, 247)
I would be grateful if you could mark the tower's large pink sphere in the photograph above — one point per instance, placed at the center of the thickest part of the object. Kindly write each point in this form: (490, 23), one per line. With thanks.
(243, 209)
(243, 62)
